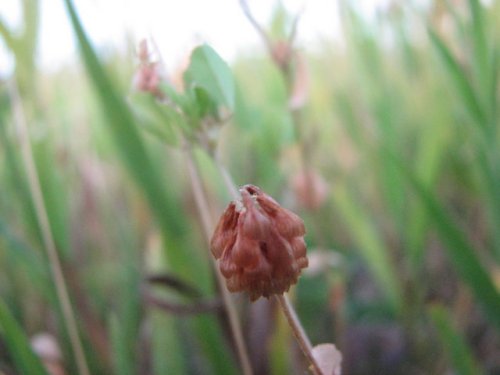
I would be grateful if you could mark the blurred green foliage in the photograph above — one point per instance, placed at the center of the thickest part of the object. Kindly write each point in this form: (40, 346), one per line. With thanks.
(401, 124)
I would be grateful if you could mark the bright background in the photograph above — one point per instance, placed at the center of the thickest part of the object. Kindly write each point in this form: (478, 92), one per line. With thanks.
(176, 26)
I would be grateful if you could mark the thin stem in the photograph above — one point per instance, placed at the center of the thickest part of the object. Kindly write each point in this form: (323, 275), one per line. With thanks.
(298, 331)
(208, 226)
(201, 306)
(227, 178)
(255, 24)
(48, 240)
(291, 315)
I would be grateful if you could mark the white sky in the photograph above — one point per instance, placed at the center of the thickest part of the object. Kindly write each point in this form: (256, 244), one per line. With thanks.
(175, 25)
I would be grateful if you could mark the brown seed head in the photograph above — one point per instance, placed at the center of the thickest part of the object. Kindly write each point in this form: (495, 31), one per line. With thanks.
(259, 244)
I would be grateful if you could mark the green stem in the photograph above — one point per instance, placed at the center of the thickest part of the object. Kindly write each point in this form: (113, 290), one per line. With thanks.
(208, 227)
(298, 331)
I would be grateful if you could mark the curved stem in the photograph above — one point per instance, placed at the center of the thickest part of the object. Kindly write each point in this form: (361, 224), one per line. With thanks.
(208, 226)
(298, 331)
(228, 179)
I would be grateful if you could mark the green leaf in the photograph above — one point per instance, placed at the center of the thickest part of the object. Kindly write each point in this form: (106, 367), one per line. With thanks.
(209, 71)
(205, 103)
(454, 344)
(26, 362)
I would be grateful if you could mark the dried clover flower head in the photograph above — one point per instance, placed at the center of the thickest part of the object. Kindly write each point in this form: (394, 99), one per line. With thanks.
(260, 245)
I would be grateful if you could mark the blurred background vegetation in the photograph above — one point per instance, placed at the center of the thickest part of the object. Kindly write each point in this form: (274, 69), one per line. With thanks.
(398, 127)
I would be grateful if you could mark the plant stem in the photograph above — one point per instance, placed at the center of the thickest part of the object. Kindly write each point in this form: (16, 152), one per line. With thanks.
(227, 178)
(298, 331)
(208, 226)
(291, 315)
(48, 240)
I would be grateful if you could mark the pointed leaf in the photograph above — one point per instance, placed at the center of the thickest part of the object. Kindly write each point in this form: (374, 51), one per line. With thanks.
(209, 71)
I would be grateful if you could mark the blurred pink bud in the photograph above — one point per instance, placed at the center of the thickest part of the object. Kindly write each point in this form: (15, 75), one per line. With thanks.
(310, 188)
(281, 52)
(148, 76)
(148, 79)
(260, 245)
(300, 90)
(47, 348)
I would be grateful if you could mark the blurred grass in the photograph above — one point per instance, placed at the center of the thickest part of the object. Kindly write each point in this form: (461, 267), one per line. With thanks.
(461, 358)
(24, 358)
(401, 123)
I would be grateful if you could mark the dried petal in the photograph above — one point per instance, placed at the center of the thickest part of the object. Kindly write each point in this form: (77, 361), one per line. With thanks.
(225, 232)
(260, 247)
(299, 247)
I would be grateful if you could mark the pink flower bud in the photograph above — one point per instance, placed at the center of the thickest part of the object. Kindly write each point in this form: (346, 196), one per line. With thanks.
(310, 188)
(259, 244)
(281, 52)
(148, 79)
(148, 76)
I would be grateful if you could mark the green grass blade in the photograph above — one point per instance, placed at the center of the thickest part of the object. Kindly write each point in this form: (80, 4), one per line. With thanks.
(459, 78)
(24, 359)
(429, 160)
(166, 350)
(121, 125)
(481, 54)
(16, 181)
(370, 245)
(20, 255)
(460, 251)
(453, 343)
(128, 142)
(140, 166)
(123, 362)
